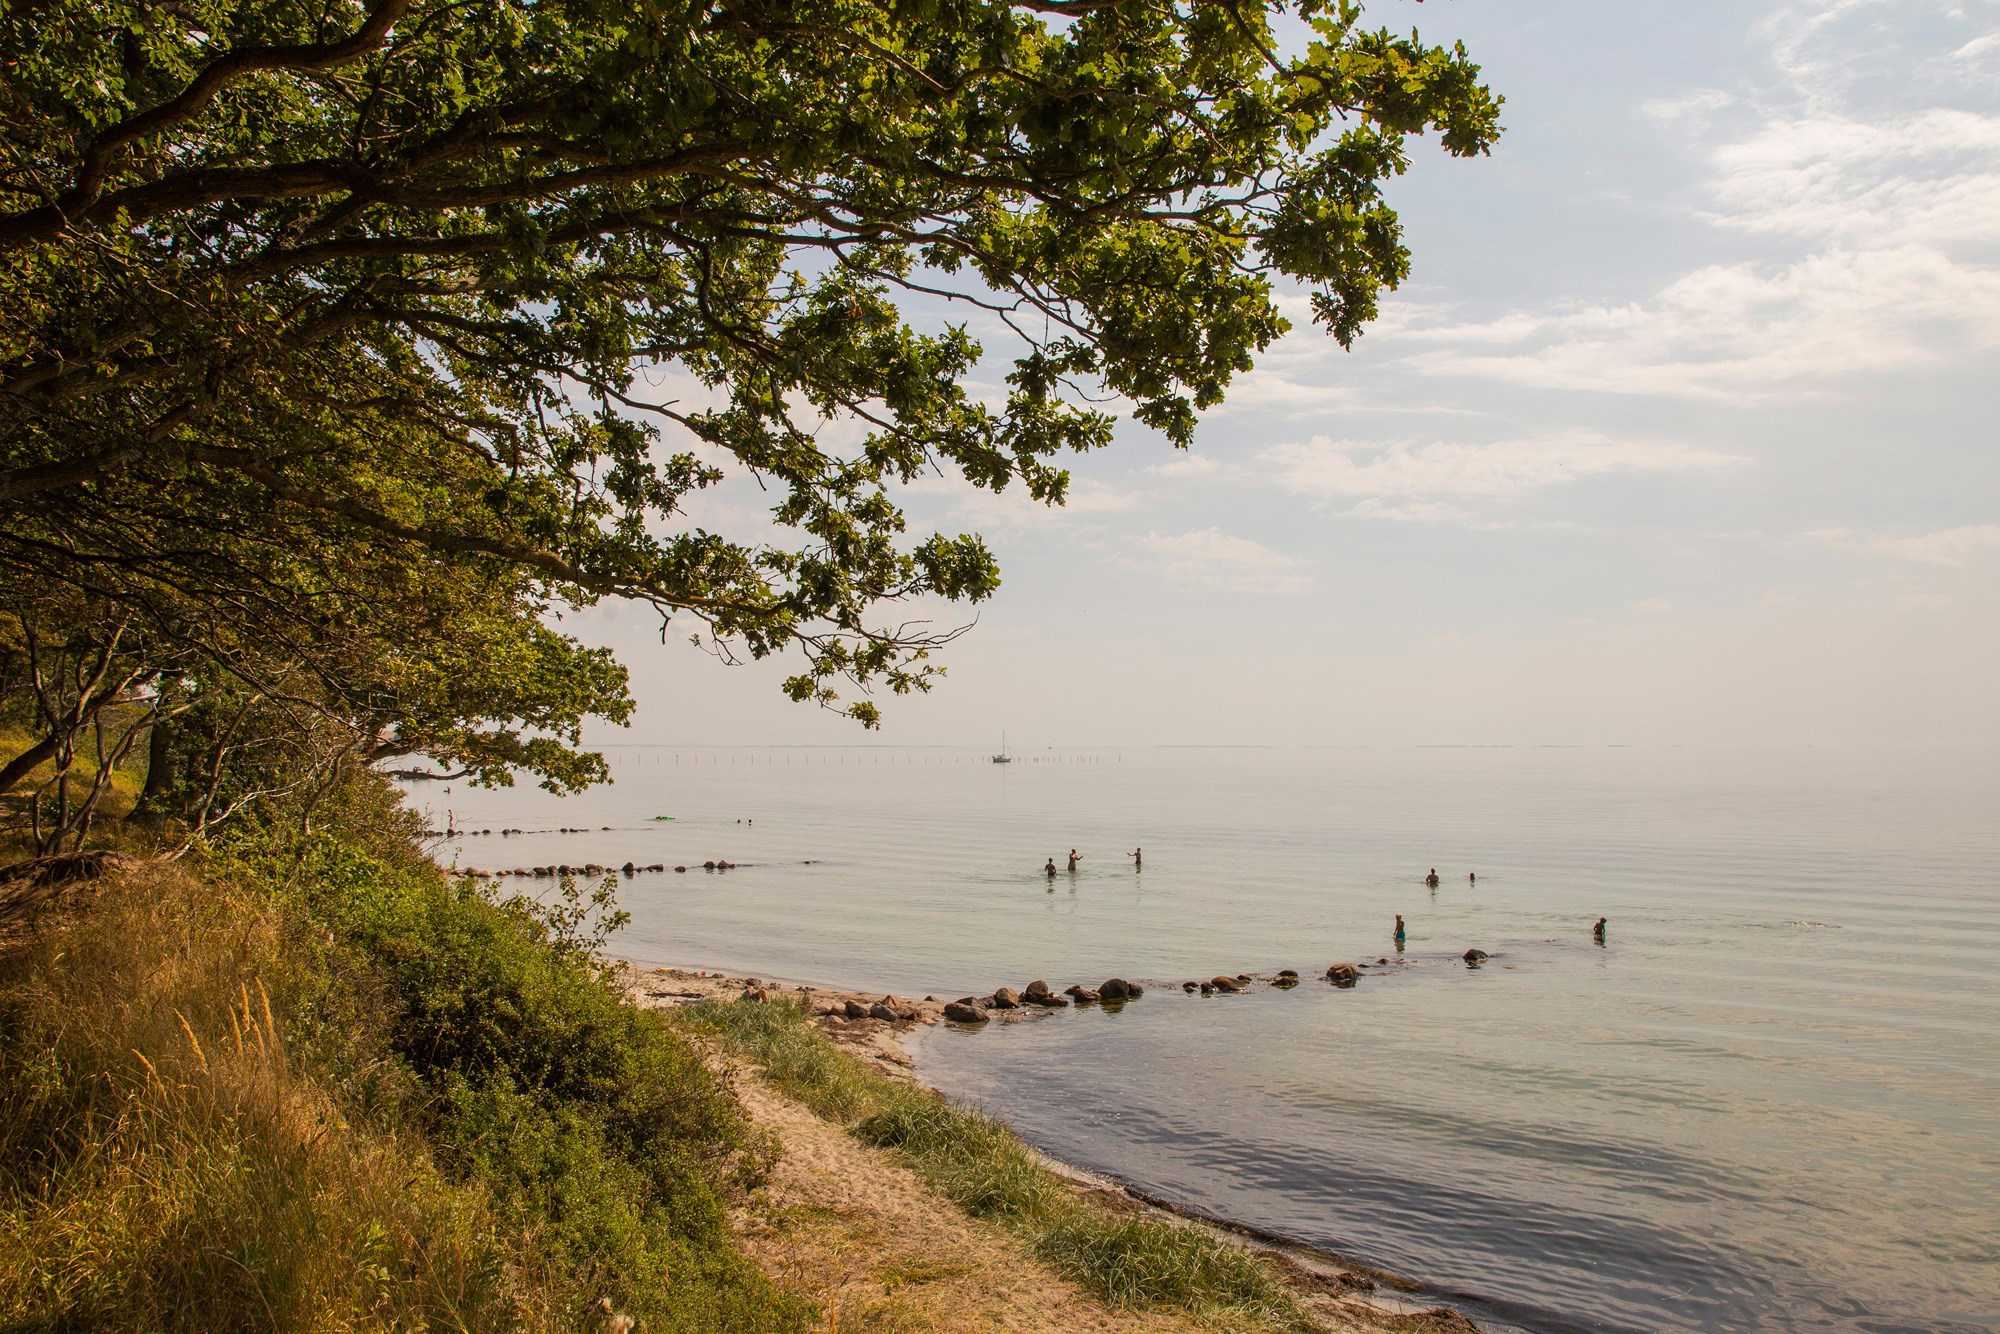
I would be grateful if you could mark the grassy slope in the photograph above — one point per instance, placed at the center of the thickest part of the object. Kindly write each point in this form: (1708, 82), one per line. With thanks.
(320, 1087)
(1131, 1260)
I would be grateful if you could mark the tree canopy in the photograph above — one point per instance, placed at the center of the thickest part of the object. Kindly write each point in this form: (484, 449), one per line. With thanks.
(328, 332)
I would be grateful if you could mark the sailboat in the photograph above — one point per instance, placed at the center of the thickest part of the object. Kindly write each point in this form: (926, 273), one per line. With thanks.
(1003, 757)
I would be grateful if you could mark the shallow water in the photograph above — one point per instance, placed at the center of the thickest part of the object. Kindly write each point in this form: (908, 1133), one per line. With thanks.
(1771, 1100)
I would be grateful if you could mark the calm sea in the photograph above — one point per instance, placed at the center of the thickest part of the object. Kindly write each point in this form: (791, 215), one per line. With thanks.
(1769, 1101)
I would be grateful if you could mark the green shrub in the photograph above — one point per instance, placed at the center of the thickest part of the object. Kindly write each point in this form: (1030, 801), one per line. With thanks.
(591, 1123)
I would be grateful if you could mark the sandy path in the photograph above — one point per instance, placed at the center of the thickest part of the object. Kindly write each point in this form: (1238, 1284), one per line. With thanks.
(861, 1235)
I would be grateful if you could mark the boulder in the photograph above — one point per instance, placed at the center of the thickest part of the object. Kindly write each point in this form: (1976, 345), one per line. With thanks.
(628, 868)
(681, 870)
(1005, 998)
(964, 1012)
(1342, 974)
(1034, 989)
(854, 1010)
(1291, 973)
(1208, 988)
(1189, 987)
(1222, 982)
(1286, 981)
(880, 1011)
(1473, 958)
(755, 994)
(1084, 995)
(1048, 1000)
(1117, 989)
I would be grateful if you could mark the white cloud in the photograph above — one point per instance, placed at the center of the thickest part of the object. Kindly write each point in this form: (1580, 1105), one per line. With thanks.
(1930, 176)
(1944, 547)
(953, 502)
(1978, 48)
(1408, 511)
(1209, 558)
(1697, 104)
(1747, 331)
(1414, 480)
(1187, 467)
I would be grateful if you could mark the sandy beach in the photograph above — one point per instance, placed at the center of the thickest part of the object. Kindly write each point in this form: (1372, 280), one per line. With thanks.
(859, 1232)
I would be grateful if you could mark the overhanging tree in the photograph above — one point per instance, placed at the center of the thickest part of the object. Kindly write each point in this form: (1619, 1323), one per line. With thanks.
(283, 281)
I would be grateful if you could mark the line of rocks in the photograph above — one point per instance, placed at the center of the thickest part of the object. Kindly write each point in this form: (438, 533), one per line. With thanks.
(976, 1009)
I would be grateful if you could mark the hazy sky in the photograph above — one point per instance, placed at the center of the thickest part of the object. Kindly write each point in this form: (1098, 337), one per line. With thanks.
(1681, 432)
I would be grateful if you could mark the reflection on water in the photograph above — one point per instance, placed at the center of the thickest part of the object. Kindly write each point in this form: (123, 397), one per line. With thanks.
(1764, 1100)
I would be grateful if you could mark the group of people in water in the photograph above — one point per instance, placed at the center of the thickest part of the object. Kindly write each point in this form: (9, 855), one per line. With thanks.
(1471, 878)
(1138, 856)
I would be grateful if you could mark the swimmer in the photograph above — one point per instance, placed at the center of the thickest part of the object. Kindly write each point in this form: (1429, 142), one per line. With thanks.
(1138, 858)
(1074, 858)
(1597, 932)
(1472, 877)
(1432, 878)
(1399, 930)
(1050, 869)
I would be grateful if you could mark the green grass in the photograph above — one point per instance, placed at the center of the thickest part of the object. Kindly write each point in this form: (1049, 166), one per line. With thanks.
(1128, 1259)
(313, 1085)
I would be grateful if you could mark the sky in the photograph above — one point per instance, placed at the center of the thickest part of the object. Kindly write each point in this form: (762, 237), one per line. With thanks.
(1680, 433)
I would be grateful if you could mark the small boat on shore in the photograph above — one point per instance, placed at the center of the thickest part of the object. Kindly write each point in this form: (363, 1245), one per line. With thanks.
(1003, 757)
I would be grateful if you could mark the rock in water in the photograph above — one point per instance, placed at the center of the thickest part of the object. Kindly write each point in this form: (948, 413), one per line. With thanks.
(854, 1010)
(1005, 999)
(1284, 973)
(1083, 995)
(1035, 989)
(1342, 974)
(1473, 958)
(964, 1012)
(1189, 987)
(880, 1011)
(1223, 983)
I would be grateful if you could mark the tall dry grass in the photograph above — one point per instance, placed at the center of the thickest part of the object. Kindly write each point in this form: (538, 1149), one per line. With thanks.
(166, 1163)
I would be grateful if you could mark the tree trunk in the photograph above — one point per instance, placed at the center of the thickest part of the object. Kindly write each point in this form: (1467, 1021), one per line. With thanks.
(23, 764)
(159, 774)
